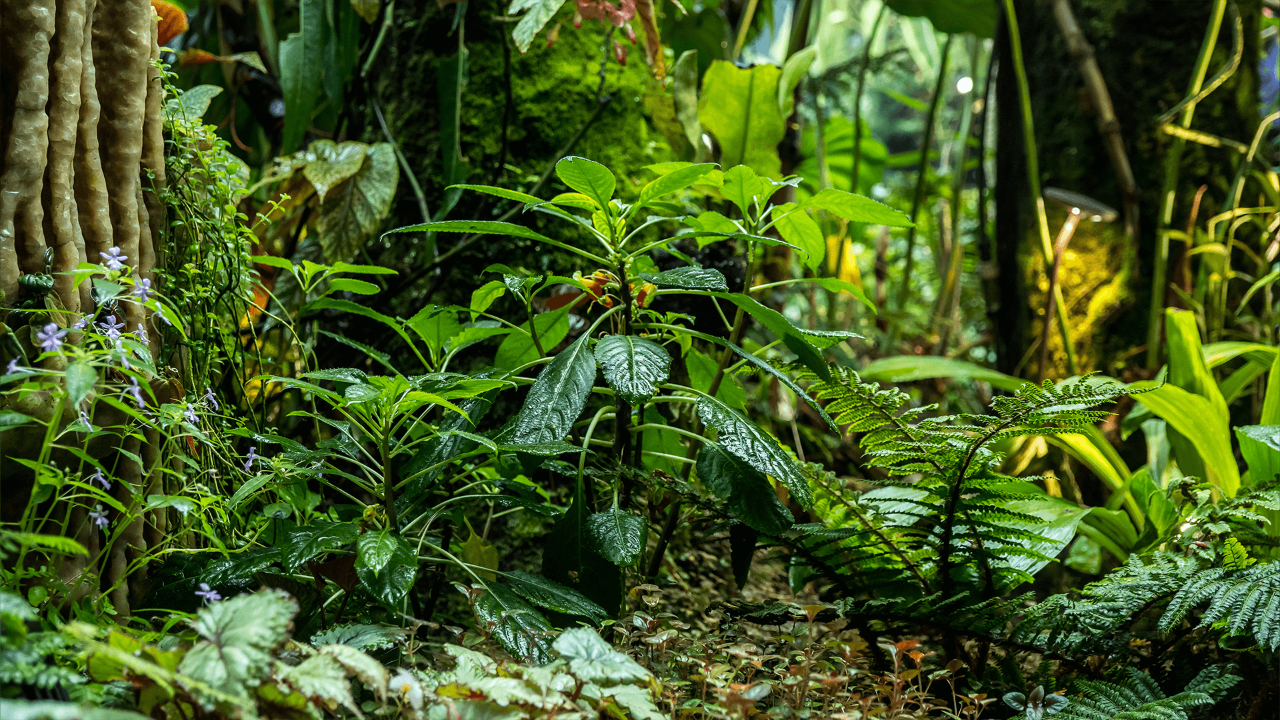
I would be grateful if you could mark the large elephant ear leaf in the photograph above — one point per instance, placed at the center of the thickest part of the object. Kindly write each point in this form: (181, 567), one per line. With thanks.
(743, 439)
(557, 397)
(633, 366)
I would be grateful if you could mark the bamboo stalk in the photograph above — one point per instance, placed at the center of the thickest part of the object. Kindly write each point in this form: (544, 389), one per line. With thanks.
(1168, 189)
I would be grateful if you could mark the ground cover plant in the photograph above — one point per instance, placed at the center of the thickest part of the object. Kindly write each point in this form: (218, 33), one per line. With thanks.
(743, 378)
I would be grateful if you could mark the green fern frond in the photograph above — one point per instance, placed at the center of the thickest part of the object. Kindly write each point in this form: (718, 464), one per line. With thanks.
(1135, 696)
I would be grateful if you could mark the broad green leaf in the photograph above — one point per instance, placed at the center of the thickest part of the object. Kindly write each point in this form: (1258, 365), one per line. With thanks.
(836, 285)
(742, 551)
(793, 71)
(480, 553)
(322, 680)
(952, 16)
(1187, 367)
(592, 660)
(332, 163)
(568, 559)
(435, 325)
(272, 261)
(909, 368)
(575, 200)
(633, 366)
(352, 285)
(10, 418)
(857, 208)
(81, 377)
(340, 375)
(702, 370)
(304, 543)
(747, 494)
(554, 596)
(540, 12)
(237, 637)
(800, 230)
(784, 330)
(300, 73)
(739, 107)
(1271, 400)
(191, 105)
(671, 182)
(742, 187)
(499, 192)
(617, 535)
(557, 396)
(356, 208)
(587, 177)
(742, 438)
(523, 631)
(689, 278)
(386, 565)
(661, 441)
(684, 96)
(1260, 446)
(543, 449)
(361, 637)
(838, 136)
(485, 295)
(342, 267)
(1203, 426)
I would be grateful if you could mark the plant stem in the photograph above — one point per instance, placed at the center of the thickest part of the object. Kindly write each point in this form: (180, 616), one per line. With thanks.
(922, 172)
(1168, 189)
(388, 481)
(857, 97)
(1033, 177)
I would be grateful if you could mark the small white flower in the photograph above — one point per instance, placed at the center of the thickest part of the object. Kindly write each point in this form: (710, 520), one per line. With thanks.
(407, 686)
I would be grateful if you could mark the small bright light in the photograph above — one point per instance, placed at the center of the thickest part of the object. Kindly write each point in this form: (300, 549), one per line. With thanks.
(964, 85)
(1185, 527)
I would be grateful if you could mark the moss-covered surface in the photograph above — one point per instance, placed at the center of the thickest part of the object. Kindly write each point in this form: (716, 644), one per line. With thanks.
(554, 93)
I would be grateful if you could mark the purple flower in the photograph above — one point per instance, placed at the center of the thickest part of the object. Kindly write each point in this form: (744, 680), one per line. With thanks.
(114, 258)
(13, 367)
(142, 289)
(163, 317)
(101, 479)
(81, 323)
(84, 419)
(99, 517)
(141, 334)
(208, 395)
(111, 328)
(208, 593)
(251, 458)
(51, 338)
(136, 391)
(191, 414)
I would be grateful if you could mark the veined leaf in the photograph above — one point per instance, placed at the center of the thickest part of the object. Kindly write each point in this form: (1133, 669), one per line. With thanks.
(633, 366)
(557, 396)
(568, 559)
(361, 637)
(587, 177)
(333, 164)
(1198, 420)
(741, 437)
(386, 565)
(523, 631)
(668, 183)
(237, 637)
(540, 11)
(784, 330)
(739, 107)
(554, 596)
(747, 494)
(800, 230)
(81, 377)
(357, 206)
(517, 348)
(592, 660)
(857, 208)
(689, 278)
(617, 535)
(304, 543)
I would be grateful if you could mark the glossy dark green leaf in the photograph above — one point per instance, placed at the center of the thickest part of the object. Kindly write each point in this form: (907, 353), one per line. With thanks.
(952, 16)
(742, 550)
(617, 535)
(742, 438)
(633, 366)
(522, 630)
(361, 637)
(689, 278)
(386, 565)
(678, 179)
(747, 493)
(304, 543)
(568, 559)
(554, 596)
(557, 396)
